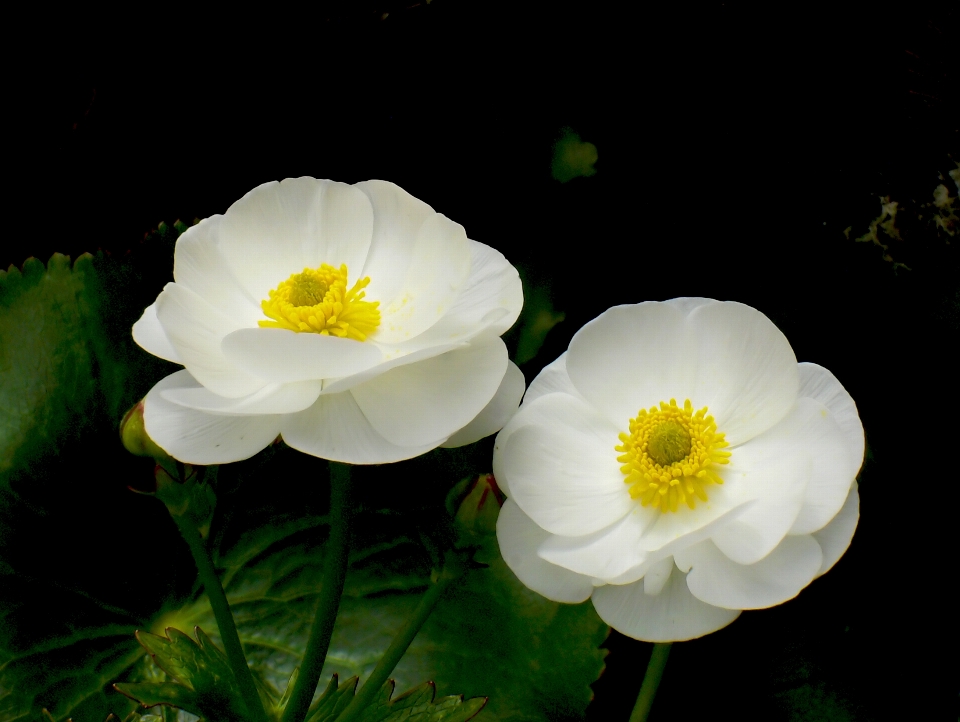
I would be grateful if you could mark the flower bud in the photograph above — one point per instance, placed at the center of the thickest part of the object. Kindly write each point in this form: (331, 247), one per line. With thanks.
(133, 434)
(475, 520)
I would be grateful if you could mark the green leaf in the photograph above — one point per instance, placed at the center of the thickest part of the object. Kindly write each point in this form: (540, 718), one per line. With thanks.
(205, 685)
(333, 701)
(418, 705)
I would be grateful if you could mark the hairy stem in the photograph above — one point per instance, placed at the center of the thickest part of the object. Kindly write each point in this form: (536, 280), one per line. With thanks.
(651, 680)
(334, 574)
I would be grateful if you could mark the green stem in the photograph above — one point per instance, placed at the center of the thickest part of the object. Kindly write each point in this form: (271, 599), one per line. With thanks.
(221, 612)
(651, 680)
(400, 642)
(331, 589)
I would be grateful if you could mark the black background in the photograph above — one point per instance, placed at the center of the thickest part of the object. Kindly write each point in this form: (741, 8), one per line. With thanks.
(735, 145)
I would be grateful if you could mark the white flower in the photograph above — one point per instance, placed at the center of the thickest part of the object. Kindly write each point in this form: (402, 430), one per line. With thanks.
(672, 518)
(354, 321)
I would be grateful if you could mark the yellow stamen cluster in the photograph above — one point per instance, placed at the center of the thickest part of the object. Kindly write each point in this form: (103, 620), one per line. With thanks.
(317, 301)
(669, 453)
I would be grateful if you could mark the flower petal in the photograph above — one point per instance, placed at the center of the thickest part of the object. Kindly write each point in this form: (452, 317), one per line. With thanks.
(198, 437)
(335, 428)
(281, 356)
(775, 469)
(199, 266)
(496, 413)
(835, 466)
(673, 615)
(552, 379)
(604, 554)
(271, 399)
(150, 336)
(397, 216)
(632, 357)
(196, 329)
(835, 537)
(278, 229)
(519, 537)
(560, 465)
(777, 577)
(345, 383)
(437, 273)
(746, 370)
(657, 576)
(430, 400)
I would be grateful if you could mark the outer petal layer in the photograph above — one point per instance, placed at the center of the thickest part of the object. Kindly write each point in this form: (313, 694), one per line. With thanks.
(835, 537)
(561, 468)
(496, 413)
(519, 537)
(673, 615)
(150, 336)
(199, 437)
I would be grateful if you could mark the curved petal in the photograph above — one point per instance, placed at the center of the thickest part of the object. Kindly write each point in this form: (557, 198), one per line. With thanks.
(271, 399)
(438, 271)
(775, 469)
(430, 400)
(657, 576)
(519, 538)
(199, 266)
(278, 229)
(345, 383)
(150, 336)
(195, 330)
(835, 537)
(604, 554)
(496, 413)
(560, 466)
(777, 577)
(282, 356)
(673, 615)
(746, 370)
(835, 466)
(335, 428)
(552, 379)
(198, 437)
(632, 357)
(397, 216)
(489, 302)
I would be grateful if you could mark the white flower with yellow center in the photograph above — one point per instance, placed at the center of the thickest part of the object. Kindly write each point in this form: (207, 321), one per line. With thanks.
(352, 320)
(677, 465)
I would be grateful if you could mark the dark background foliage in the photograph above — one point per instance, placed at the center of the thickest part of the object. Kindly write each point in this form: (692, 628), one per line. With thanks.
(735, 146)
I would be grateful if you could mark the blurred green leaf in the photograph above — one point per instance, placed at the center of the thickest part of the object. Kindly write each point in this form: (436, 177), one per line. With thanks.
(572, 158)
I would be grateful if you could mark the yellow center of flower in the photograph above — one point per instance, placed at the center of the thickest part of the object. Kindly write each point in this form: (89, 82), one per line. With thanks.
(669, 455)
(317, 301)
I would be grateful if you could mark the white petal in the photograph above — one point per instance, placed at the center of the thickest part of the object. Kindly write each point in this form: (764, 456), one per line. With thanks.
(271, 399)
(150, 336)
(345, 383)
(199, 266)
(560, 465)
(397, 216)
(430, 400)
(437, 273)
(632, 357)
(673, 615)
(746, 371)
(776, 578)
(278, 229)
(604, 554)
(489, 302)
(835, 537)
(834, 466)
(552, 379)
(775, 469)
(519, 538)
(281, 356)
(657, 576)
(196, 329)
(496, 413)
(334, 428)
(198, 437)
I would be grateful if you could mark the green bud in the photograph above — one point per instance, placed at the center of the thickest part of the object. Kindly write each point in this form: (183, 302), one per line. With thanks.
(133, 434)
(476, 516)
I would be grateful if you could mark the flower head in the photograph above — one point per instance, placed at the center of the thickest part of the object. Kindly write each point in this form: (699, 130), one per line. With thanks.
(677, 465)
(352, 320)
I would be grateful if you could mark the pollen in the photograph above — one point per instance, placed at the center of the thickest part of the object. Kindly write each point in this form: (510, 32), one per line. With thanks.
(317, 301)
(671, 455)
